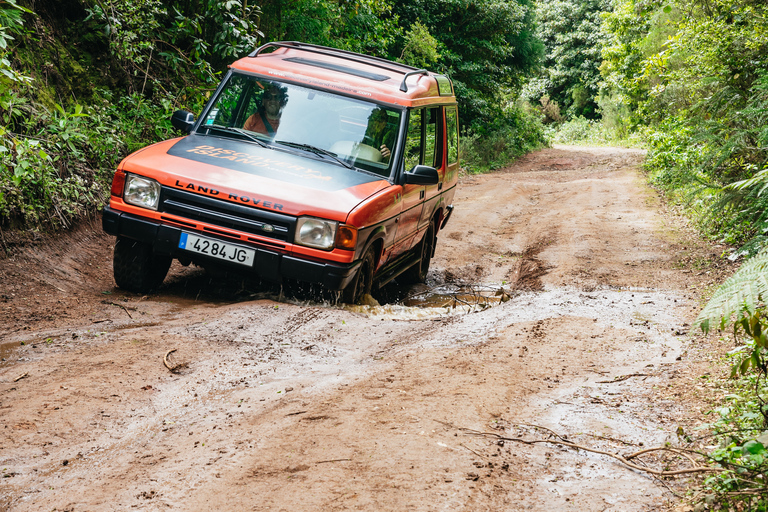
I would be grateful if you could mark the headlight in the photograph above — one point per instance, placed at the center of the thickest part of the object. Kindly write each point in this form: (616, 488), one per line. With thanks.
(140, 191)
(317, 233)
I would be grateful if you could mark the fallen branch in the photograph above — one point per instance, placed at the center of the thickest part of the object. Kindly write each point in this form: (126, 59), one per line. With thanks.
(623, 459)
(120, 306)
(333, 460)
(623, 377)
(17, 379)
(470, 449)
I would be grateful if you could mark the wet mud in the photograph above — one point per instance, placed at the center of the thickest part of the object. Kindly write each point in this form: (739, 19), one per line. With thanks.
(559, 298)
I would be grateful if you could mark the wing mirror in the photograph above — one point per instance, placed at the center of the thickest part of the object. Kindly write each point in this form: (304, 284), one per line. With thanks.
(183, 120)
(422, 175)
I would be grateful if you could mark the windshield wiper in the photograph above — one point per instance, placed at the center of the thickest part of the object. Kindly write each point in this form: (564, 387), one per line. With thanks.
(316, 150)
(240, 131)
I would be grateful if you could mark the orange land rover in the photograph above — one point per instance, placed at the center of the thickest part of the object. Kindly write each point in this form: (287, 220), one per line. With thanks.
(308, 163)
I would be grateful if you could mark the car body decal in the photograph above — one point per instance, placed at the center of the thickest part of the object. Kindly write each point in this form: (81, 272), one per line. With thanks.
(249, 158)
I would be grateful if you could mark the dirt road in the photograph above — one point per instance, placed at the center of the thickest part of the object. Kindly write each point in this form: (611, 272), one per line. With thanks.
(560, 297)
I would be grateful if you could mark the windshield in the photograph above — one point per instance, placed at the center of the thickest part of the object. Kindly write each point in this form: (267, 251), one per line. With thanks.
(356, 132)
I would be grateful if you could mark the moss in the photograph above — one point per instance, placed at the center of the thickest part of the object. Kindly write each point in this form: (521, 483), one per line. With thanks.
(65, 54)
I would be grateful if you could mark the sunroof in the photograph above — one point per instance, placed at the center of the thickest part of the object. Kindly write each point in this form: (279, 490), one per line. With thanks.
(338, 67)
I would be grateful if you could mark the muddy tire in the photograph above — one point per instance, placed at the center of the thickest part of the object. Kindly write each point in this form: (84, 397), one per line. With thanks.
(363, 281)
(136, 269)
(418, 272)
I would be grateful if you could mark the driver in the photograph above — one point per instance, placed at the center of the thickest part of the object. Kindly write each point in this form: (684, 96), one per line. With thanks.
(266, 119)
(378, 133)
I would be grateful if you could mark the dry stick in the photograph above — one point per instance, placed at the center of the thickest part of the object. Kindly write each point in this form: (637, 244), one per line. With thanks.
(120, 306)
(17, 379)
(604, 438)
(333, 460)
(165, 360)
(677, 451)
(470, 449)
(621, 459)
(623, 377)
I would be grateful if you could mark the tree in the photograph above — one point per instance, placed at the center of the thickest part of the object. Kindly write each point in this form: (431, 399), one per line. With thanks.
(570, 31)
(487, 47)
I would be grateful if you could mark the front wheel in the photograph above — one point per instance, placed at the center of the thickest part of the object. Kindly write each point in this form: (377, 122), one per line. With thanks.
(136, 268)
(363, 282)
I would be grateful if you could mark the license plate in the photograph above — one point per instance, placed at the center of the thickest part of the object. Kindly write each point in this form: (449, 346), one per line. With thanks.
(217, 249)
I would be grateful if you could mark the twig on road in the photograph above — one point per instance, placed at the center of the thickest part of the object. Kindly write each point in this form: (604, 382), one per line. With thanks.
(120, 306)
(623, 377)
(623, 459)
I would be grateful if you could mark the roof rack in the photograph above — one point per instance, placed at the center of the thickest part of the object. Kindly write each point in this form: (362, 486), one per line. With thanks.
(404, 87)
(378, 62)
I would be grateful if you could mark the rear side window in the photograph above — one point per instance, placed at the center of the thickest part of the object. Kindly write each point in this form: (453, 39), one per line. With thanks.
(452, 134)
(422, 144)
(431, 145)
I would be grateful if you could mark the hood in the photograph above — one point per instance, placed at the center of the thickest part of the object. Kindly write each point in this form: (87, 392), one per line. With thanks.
(246, 173)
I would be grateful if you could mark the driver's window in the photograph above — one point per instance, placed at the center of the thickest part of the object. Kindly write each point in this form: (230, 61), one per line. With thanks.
(224, 112)
(413, 140)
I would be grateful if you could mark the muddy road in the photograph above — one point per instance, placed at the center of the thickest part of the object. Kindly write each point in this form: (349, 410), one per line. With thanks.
(560, 296)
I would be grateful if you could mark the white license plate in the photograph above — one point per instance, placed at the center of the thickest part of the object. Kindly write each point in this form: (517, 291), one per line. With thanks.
(217, 249)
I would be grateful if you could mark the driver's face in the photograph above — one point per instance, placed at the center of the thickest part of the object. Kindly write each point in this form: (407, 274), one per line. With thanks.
(271, 101)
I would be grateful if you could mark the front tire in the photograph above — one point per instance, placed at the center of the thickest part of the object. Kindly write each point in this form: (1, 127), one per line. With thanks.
(362, 284)
(136, 268)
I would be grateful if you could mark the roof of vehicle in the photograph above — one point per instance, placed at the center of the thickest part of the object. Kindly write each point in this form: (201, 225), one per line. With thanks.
(348, 72)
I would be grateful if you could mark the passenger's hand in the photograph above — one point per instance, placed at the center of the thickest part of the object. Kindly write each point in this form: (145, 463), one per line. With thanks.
(384, 151)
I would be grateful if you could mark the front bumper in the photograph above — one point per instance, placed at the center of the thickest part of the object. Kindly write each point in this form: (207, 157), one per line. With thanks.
(269, 265)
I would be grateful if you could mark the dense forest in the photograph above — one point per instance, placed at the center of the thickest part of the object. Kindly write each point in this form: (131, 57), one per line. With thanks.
(85, 82)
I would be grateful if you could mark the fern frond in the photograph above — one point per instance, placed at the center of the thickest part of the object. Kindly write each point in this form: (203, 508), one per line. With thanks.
(743, 291)
(761, 178)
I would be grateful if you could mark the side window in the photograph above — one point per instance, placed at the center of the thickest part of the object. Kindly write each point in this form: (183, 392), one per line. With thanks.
(452, 133)
(225, 110)
(413, 140)
(431, 147)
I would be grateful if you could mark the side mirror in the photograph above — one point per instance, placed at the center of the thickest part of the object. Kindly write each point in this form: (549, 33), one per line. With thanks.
(422, 175)
(183, 120)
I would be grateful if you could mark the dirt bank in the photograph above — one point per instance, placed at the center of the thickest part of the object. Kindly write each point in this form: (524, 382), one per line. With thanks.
(279, 403)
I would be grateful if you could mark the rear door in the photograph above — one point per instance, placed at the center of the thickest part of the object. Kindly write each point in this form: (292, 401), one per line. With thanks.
(412, 196)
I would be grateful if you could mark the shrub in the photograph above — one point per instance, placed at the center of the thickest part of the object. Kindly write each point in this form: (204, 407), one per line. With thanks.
(514, 133)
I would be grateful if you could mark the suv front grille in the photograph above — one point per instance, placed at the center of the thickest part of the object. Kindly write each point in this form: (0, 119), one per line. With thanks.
(227, 215)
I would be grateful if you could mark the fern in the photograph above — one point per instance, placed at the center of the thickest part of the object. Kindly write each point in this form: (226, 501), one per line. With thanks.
(742, 292)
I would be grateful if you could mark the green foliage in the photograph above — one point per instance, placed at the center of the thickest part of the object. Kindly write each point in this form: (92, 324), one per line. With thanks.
(740, 295)
(580, 131)
(188, 41)
(740, 434)
(486, 47)
(694, 72)
(63, 172)
(570, 30)
(420, 50)
(742, 452)
(11, 22)
(495, 146)
(366, 26)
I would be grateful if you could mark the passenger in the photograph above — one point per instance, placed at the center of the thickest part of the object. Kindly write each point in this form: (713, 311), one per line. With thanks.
(266, 119)
(379, 134)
